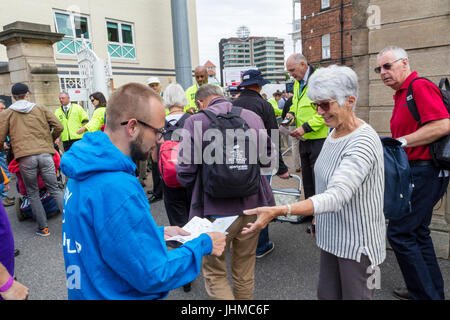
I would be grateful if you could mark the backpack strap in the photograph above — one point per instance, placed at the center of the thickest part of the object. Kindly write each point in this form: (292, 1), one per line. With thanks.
(446, 82)
(236, 111)
(412, 106)
(180, 123)
(211, 115)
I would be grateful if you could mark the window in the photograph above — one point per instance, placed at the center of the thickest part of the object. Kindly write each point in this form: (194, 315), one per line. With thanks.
(120, 40)
(325, 4)
(326, 54)
(75, 27)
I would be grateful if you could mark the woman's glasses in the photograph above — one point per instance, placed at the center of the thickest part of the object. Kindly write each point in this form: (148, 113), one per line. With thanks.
(325, 105)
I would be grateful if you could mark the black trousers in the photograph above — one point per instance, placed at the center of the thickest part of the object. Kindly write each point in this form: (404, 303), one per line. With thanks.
(67, 144)
(178, 203)
(157, 180)
(309, 152)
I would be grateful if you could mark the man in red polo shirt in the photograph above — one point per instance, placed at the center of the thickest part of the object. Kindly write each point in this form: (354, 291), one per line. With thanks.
(410, 236)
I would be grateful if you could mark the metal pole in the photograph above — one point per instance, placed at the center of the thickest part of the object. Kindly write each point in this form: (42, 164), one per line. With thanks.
(181, 43)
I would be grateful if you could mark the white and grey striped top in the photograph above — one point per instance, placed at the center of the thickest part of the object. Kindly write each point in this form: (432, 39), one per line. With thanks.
(348, 204)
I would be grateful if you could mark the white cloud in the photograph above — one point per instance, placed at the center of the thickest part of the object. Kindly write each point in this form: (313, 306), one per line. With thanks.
(219, 19)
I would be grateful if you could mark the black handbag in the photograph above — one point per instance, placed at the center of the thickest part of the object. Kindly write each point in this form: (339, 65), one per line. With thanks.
(439, 149)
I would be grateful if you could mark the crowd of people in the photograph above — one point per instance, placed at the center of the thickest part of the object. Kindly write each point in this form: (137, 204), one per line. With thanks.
(113, 244)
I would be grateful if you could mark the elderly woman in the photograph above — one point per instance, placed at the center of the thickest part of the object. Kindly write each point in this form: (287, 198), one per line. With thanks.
(176, 200)
(98, 100)
(348, 205)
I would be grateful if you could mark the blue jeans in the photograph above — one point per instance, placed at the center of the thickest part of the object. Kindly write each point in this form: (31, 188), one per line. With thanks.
(263, 241)
(410, 236)
(5, 169)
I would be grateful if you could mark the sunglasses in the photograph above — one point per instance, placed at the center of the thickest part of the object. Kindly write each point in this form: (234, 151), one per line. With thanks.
(158, 132)
(325, 106)
(386, 66)
(92, 100)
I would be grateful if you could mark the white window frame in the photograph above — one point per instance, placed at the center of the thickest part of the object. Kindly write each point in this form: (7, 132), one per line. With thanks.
(326, 47)
(72, 16)
(120, 43)
(325, 4)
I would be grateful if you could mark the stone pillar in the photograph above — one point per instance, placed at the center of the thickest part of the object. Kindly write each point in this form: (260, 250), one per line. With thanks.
(31, 58)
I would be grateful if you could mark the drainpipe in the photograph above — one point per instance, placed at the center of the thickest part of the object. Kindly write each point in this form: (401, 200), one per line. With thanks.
(181, 43)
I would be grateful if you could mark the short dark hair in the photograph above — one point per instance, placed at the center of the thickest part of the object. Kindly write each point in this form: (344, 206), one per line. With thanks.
(100, 98)
(128, 101)
(19, 97)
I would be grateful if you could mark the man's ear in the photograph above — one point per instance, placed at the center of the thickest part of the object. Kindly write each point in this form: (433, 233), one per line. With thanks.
(132, 128)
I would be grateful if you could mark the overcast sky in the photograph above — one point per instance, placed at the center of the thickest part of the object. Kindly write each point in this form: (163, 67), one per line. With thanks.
(219, 19)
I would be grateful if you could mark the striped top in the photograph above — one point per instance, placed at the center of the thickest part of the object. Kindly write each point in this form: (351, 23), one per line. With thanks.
(348, 204)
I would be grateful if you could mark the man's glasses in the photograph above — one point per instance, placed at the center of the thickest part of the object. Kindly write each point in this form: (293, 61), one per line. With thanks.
(92, 100)
(386, 66)
(158, 132)
(325, 106)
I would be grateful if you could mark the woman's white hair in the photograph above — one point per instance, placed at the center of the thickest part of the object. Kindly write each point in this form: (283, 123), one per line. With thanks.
(334, 82)
(174, 96)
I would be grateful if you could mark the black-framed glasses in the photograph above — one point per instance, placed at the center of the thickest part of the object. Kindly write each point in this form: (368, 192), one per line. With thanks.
(386, 66)
(92, 100)
(325, 106)
(158, 132)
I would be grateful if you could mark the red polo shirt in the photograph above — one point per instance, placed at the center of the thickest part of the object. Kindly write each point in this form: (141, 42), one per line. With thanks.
(430, 107)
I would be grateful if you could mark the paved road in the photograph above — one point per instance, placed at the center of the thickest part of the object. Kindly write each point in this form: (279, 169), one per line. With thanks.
(290, 272)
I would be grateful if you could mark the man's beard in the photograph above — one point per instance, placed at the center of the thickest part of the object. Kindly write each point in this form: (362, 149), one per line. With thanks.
(136, 152)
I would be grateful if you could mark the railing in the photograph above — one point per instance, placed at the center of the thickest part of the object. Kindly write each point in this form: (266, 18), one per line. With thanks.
(70, 46)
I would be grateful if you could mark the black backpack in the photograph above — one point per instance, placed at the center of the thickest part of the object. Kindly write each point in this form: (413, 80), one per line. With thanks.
(440, 149)
(231, 174)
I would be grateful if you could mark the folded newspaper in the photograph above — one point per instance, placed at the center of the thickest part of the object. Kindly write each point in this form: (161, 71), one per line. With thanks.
(197, 226)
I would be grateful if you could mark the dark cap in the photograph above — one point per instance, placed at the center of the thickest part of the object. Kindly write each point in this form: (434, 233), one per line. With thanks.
(19, 89)
(253, 77)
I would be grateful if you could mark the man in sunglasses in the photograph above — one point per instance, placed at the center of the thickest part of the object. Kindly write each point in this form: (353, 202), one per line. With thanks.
(410, 236)
(112, 247)
(311, 129)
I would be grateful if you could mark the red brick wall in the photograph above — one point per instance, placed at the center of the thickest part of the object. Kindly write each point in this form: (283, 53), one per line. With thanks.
(326, 22)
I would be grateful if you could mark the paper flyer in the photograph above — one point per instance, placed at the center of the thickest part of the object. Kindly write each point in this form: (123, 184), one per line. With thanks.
(197, 226)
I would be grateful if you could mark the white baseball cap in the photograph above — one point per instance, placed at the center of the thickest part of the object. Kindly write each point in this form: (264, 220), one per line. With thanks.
(153, 80)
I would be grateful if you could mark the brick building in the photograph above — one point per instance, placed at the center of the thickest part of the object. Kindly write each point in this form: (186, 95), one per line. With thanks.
(326, 28)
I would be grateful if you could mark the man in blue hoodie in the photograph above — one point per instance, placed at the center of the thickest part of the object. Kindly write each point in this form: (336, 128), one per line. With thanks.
(113, 248)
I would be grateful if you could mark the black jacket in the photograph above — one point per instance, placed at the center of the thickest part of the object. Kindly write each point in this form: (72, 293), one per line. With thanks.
(252, 100)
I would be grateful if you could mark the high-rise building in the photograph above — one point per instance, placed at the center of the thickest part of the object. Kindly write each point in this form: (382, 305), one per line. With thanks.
(265, 53)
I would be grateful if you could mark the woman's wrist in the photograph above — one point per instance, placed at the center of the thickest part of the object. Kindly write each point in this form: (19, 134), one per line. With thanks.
(6, 286)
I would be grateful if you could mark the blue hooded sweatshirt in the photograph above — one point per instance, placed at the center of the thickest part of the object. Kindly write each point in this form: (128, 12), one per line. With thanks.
(113, 248)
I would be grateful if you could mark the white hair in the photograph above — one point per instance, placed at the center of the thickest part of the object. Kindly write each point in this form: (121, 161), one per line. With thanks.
(208, 90)
(297, 58)
(334, 82)
(399, 53)
(174, 96)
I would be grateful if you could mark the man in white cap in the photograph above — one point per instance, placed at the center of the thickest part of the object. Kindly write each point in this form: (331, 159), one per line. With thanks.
(155, 84)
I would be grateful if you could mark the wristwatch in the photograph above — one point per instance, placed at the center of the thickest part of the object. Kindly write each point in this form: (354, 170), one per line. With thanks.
(402, 141)
(289, 211)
